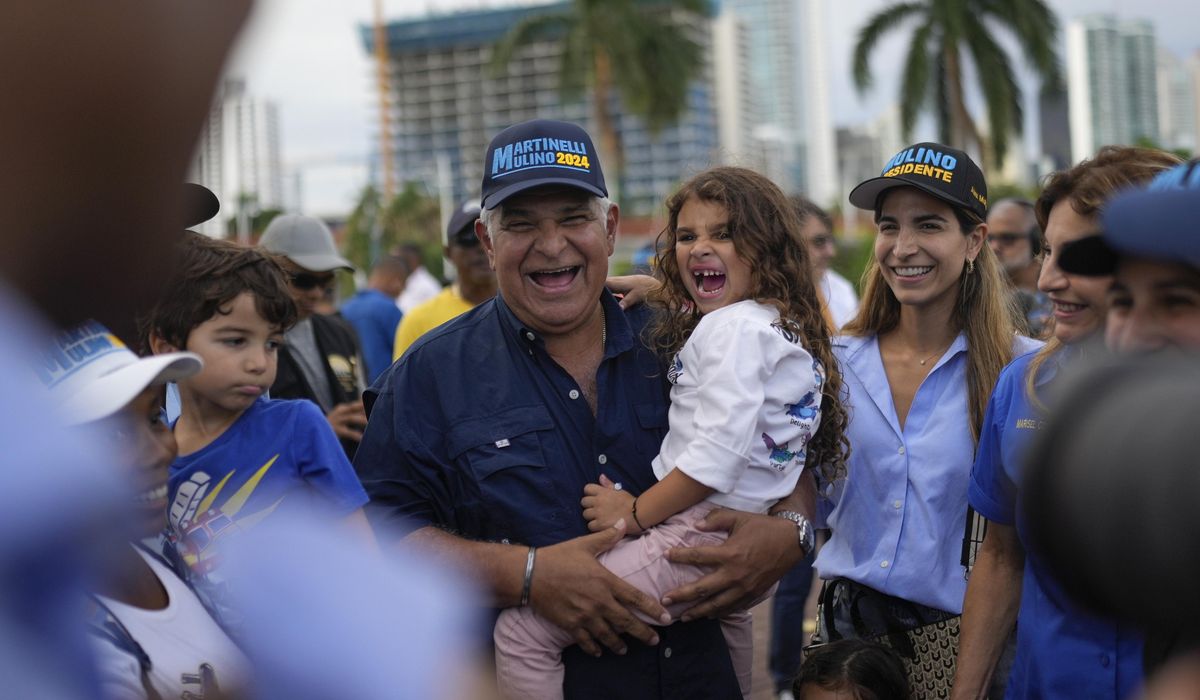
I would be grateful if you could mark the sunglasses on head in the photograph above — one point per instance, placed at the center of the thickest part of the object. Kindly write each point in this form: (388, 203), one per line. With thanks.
(307, 280)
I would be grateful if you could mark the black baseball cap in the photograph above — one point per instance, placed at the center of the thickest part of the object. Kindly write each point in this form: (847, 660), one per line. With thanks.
(1157, 222)
(199, 204)
(540, 152)
(461, 229)
(939, 171)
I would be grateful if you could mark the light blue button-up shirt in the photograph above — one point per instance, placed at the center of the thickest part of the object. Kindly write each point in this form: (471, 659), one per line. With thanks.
(899, 516)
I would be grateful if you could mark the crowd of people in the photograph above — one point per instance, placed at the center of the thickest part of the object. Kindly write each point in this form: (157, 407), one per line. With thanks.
(542, 481)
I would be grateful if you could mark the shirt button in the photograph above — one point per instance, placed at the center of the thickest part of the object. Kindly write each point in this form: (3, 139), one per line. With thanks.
(883, 564)
(896, 504)
(530, 336)
(667, 653)
(1105, 660)
(901, 450)
(603, 459)
(574, 394)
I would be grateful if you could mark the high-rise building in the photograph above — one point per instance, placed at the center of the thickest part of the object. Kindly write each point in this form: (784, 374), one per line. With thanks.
(735, 99)
(1054, 130)
(1193, 69)
(1112, 86)
(447, 103)
(238, 157)
(1177, 118)
(861, 153)
(788, 78)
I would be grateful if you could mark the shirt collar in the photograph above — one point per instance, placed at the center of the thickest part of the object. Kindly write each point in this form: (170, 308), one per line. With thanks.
(853, 345)
(620, 333)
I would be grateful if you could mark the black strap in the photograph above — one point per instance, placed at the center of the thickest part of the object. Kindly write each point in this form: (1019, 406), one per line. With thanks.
(976, 528)
(110, 628)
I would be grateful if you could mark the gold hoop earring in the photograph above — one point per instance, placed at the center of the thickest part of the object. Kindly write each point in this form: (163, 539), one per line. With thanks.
(970, 266)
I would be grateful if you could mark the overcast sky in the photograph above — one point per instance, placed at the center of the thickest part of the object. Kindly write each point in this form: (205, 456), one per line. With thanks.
(306, 56)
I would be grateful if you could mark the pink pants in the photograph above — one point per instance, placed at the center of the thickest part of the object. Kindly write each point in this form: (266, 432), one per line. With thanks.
(529, 648)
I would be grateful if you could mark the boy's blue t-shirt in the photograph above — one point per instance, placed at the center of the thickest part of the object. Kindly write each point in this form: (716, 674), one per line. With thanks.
(279, 454)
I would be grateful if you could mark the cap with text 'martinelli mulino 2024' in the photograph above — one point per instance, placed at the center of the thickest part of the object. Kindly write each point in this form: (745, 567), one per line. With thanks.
(537, 153)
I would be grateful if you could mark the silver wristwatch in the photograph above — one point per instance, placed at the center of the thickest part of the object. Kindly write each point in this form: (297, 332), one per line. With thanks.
(804, 529)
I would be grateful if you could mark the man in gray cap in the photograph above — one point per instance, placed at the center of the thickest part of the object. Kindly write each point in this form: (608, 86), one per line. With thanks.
(320, 360)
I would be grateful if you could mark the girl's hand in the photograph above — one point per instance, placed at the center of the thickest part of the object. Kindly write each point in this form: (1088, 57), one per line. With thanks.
(634, 289)
(605, 503)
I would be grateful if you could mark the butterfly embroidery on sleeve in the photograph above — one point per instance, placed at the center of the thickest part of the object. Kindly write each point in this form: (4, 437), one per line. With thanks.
(780, 455)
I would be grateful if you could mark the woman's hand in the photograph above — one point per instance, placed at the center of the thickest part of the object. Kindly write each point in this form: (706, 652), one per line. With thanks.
(605, 503)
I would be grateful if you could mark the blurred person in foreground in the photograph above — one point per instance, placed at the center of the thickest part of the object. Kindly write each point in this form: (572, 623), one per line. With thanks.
(153, 636)
(1143, 483)
(1016, 238)
(374, 314)
(321, 359)
(94, 150)
(484, 434)
(1059, 650)
(837, 292)
(474, 282)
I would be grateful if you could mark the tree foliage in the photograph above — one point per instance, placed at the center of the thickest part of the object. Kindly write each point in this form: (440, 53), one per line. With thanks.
(412, 216)
(632, 49)
(945, 32)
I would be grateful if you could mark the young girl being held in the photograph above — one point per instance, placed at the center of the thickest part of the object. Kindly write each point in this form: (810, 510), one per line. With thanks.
(754, 398)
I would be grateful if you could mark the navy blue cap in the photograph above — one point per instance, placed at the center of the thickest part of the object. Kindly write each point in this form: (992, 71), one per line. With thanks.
(462, 223)
(942, 172)
(540, 152)
(1158, 222)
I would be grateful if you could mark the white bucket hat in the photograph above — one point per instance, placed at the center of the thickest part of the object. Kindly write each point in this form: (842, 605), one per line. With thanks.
(90, 374)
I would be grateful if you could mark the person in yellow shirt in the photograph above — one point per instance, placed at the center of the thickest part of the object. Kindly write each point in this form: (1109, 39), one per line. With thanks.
(475, 282)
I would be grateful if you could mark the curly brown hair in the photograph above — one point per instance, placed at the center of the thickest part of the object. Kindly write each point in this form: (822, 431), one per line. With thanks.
(765, 230)
(211, 273)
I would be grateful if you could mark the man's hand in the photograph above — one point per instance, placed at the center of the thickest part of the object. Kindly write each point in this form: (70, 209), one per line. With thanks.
(348, 420)
(605, 503)
(759, 551)
(572, 590)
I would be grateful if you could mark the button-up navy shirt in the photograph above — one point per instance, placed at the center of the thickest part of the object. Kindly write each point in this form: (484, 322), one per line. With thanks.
(479, 431)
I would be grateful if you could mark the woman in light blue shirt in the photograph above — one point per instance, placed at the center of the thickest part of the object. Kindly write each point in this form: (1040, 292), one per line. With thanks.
(935, 328)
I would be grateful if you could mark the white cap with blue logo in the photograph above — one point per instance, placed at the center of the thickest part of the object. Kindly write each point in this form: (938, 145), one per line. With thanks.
(91, 375)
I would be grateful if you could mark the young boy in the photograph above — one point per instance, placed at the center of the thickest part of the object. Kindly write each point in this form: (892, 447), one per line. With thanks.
(242, 456)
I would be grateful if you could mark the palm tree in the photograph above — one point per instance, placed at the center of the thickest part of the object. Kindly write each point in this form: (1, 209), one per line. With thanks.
(631, 48)
(934, 67)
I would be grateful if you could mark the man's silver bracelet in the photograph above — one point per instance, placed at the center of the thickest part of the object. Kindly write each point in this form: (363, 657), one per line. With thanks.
(528, 576)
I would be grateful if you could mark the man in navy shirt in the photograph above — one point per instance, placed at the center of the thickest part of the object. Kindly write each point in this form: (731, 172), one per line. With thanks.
(482, 437)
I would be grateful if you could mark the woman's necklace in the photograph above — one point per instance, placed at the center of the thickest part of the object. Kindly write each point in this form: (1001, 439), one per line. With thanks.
(939, 353)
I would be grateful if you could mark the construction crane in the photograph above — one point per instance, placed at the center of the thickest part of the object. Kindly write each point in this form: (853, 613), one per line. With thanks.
(383, 73)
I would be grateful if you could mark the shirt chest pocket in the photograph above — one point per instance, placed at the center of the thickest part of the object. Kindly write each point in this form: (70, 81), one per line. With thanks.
(502, 455)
